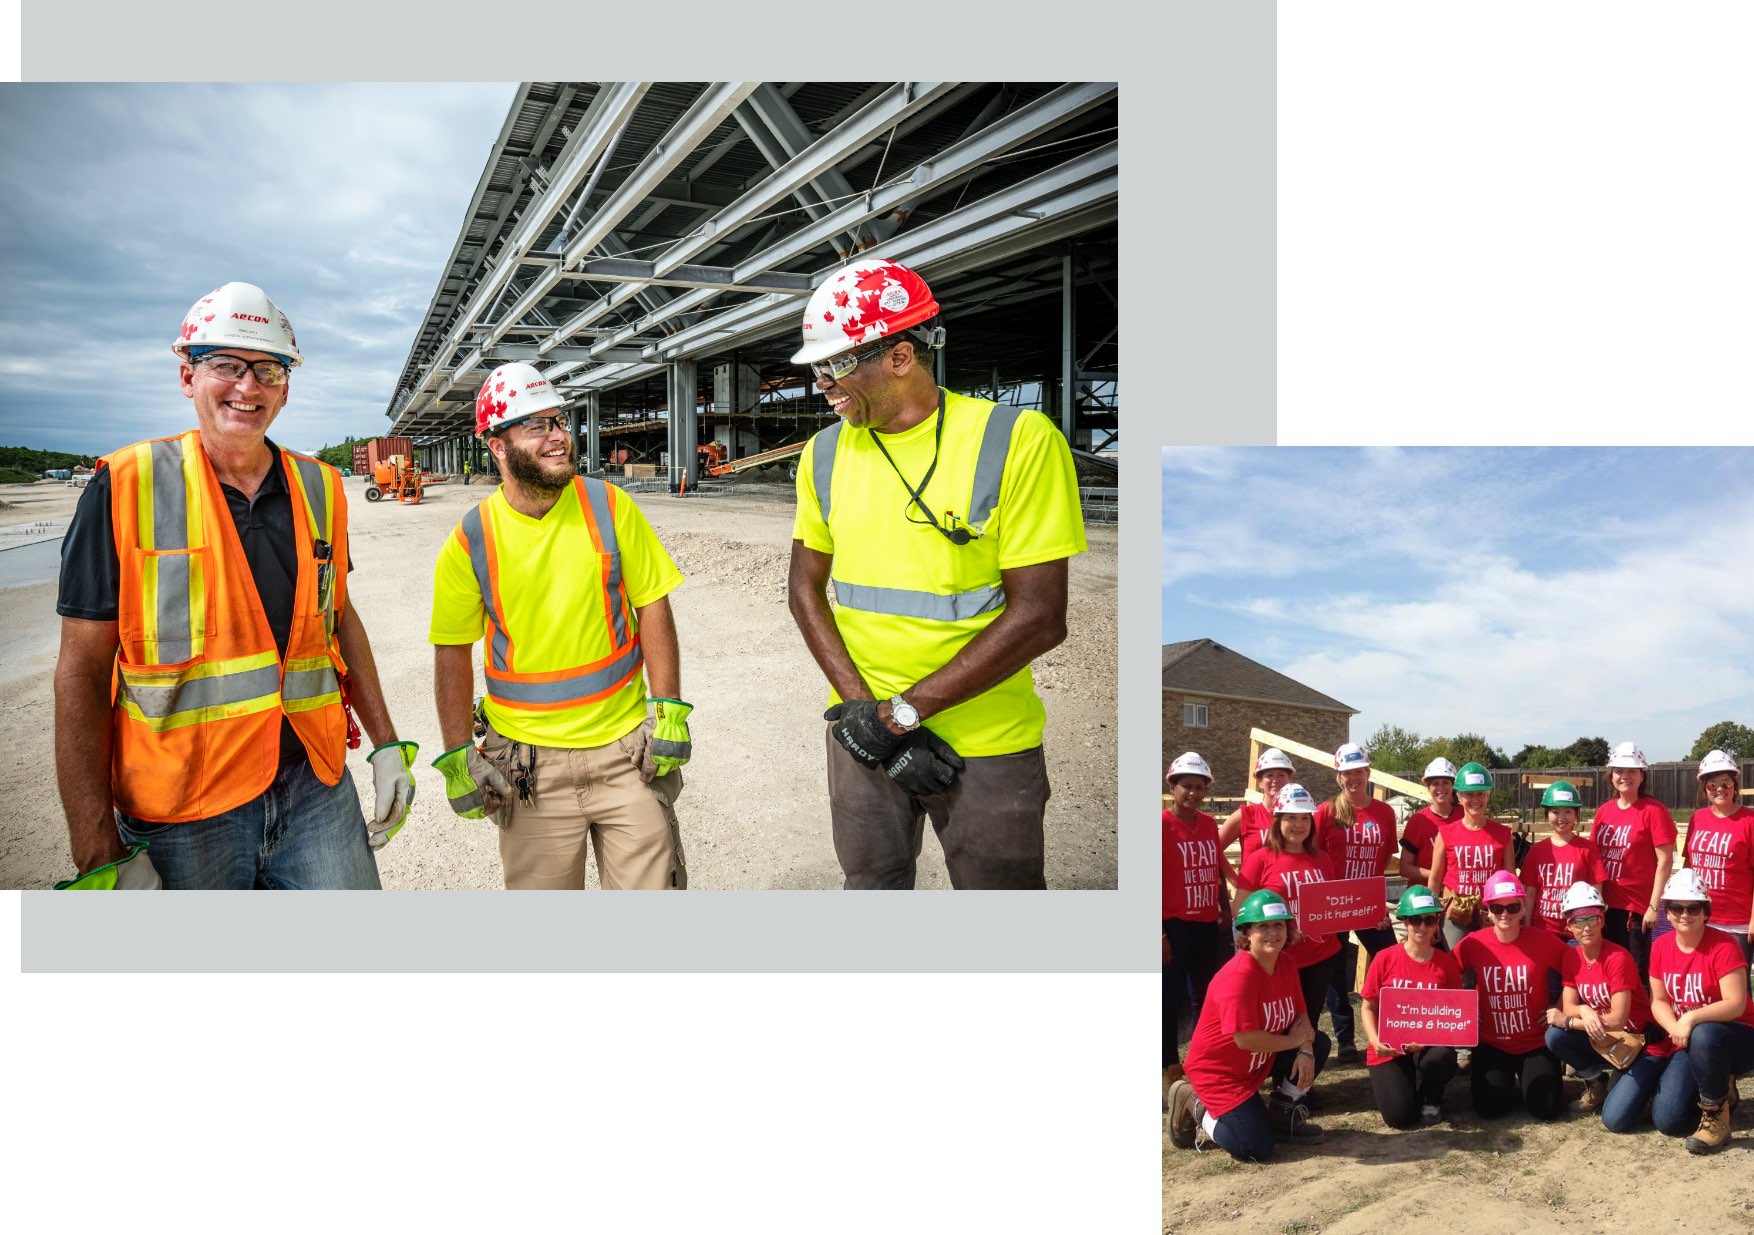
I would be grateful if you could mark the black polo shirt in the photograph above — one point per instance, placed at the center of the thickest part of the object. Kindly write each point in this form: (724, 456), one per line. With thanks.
(91, 574)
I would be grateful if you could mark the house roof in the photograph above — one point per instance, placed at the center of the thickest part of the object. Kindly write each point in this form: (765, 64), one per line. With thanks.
(1208, 668)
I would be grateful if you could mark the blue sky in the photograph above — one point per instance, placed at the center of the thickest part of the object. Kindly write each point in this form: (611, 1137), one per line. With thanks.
(1528, 595)
(121, 205)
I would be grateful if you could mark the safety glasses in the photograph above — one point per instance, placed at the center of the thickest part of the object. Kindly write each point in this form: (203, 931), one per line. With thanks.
(232, 369)
(837, 367)
(1588, 922)
(1685, 910)
(1511, 907)
(540, 426)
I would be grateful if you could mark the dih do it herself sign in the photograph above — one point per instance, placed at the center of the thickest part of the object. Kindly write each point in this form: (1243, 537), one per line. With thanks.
(1336, 905)
(1419, 1016)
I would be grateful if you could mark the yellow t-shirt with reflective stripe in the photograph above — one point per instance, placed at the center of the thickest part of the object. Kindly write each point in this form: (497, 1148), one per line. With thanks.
(878, 539)
(551, 585)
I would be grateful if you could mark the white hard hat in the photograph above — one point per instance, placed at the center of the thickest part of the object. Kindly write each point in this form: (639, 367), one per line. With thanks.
(515, 391)
(1627, 755)
(1439, 769)
(1189, 764)
(1716, 761)
(869, 300)
(237, 315)
(1294, 799)
(1272, 758)
(1350, 756)
(1686, 885)
(1581, 895)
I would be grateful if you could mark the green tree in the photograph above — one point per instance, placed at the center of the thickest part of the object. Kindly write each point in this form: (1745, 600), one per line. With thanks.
(1394, 749)
(1533, 756)
(339, 456)
(1587, 753)
(1725, 735)
(1469, 748)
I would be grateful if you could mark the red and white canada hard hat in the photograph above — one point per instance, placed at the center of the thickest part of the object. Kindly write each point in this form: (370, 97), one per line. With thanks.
(237, 315)
(515, 391)
(861, 303)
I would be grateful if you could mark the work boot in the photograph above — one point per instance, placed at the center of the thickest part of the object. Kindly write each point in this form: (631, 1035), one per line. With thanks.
(1714, 1127)
(1291, 1123)
(1185, 1113)
(1171, 1075)
(1595, 1092)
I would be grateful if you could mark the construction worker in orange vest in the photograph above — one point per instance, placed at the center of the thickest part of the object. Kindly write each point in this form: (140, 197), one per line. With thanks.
(945, 523)
(208, 649)
(564, 581)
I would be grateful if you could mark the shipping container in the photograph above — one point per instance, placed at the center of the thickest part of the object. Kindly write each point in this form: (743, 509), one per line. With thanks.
(383, 447)
(362, 460)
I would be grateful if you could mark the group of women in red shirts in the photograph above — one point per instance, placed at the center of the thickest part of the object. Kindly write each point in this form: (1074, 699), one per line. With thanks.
(1597, 956)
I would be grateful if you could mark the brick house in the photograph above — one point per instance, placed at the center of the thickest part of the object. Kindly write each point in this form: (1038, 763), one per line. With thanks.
(1212, 696)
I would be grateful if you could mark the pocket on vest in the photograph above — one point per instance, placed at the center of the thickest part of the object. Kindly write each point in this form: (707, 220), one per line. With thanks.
(176, 604)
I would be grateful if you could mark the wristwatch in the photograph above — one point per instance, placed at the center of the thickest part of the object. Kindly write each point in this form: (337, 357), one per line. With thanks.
(904, 713)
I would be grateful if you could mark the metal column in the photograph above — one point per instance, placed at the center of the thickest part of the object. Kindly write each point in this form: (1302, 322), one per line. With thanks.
(1068, 354)
(684, 429)
(593, 447)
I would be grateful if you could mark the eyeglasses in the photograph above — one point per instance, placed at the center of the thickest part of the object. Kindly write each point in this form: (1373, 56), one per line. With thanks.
(231, 369)
(541, 426)
(1505, 907)
(1594, 919)
(1424, 921)
(1721, 782)
(837, 367)
(1685, 911)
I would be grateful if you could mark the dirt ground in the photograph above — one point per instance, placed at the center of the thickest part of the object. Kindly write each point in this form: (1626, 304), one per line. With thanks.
(754, 813)
(1466, 1174)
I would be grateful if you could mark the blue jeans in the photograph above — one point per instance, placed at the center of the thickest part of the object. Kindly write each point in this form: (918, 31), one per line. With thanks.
(300, 833)
(1246, 1133)
(1624, 1107)
(1715, 1053)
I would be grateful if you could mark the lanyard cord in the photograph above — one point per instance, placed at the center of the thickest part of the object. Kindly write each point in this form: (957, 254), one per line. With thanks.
(914, 494)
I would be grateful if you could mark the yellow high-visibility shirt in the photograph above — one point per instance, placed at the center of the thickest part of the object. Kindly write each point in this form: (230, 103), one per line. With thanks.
(907, 599)
(549, 581)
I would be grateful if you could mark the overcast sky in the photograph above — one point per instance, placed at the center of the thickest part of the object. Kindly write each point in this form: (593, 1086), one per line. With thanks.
(1528, 595)
(121, 205)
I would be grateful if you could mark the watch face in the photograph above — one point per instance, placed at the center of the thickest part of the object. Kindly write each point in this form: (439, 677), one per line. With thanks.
(906, 715)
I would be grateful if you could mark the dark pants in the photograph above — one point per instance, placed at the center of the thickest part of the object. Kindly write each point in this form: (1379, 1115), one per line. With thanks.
(1626, 928)
(1408, 1082)
(1339, 993)
(1501, 1082)
(989, 822)
(1314, 981)
(1715, 1054)
(1246, 1133)
(1631, 1092)
(1197, 950)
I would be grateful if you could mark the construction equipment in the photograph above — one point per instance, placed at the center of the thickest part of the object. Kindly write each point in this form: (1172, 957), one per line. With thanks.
(766, 456)
(396, 477)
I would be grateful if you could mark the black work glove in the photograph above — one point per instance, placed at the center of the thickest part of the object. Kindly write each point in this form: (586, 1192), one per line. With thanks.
(924, 764)
(858, 728)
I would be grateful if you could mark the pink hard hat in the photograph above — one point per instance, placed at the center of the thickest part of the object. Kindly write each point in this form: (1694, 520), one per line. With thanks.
(1503, 886)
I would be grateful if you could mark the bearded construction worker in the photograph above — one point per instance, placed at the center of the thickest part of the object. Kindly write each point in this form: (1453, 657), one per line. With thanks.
(945, 524)
(565, 584)
(208, 650)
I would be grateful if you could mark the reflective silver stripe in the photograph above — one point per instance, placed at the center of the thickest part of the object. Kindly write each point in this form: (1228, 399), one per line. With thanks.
(310, 683)
(158, 702)
(564, 690)
(170, 501)
(472, 532)
(311, 472)
(822, 464)
(902, 602)
(989, 468)
(597, 494)
(171, 571)
(170, 534)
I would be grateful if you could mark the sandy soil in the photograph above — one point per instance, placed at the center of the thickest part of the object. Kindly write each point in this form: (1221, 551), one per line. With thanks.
(754, 813)
(1466, 1174)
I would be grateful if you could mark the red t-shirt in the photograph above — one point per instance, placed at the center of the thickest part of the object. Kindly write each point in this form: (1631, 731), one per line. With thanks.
(1722, 851)
(1512, 980)
(1597, 984)
(1393, 967)
(1421, 830)
(1471, 857)
(1243, 998)
(1692, 979)
(1627, 837)
(1555, 868)
(1190, 868)
(1364, 849)
(1255, 822)
(1284, 873)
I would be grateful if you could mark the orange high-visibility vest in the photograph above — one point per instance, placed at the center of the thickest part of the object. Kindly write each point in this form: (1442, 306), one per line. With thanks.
(561, 688)
(200, 686)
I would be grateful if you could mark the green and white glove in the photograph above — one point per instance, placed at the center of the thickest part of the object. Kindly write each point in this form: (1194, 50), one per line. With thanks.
(134, 873)
(475, 787)
(393, 780)
(668, 747)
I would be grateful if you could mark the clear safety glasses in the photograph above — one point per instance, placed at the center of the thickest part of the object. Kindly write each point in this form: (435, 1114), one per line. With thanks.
(232, 369)
(837, 367)
(541, 426)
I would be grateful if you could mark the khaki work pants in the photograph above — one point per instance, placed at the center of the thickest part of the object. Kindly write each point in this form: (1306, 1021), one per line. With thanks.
(593, 793)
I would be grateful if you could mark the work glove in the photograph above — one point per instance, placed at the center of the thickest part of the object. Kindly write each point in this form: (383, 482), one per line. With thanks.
(924, 764)
(393, 779)
(667, 746)
(134, 873)
(857, 727)
(475, 787)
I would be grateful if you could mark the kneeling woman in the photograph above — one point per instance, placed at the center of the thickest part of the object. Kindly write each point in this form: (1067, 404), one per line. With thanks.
(1408, 1079)
(1603, 996)
(1516, 971)
(1253, 1025)
(1291, 859)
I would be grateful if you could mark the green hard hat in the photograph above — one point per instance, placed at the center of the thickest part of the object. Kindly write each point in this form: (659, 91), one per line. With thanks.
(1263, 906)
(1561, 793)
(1473, 778)
(1418, 901)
